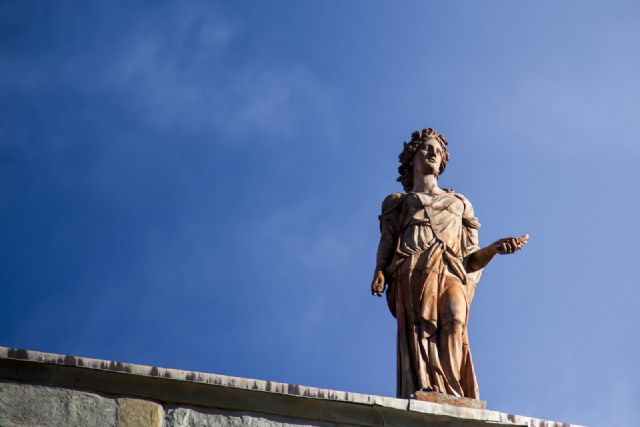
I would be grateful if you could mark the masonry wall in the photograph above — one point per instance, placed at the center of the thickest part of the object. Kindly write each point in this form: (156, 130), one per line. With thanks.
(36, 405)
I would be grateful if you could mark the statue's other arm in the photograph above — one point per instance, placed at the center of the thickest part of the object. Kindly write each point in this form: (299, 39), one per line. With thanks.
(388, 240)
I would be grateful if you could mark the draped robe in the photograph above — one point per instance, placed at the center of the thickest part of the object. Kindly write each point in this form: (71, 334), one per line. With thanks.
(425, 240)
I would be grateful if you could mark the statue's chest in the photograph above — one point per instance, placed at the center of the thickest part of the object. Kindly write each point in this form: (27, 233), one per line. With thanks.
(445, 207)
(442, 214)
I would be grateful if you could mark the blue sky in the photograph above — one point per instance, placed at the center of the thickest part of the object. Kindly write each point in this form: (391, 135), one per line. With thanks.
(196, 185)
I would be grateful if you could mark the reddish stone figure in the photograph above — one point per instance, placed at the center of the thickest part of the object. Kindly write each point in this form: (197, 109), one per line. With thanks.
(429, 262)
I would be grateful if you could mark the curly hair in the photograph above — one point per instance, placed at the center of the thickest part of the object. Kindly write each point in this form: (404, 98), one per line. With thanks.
(418, 141)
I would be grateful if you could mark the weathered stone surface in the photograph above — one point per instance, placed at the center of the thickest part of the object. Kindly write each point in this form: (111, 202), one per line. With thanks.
(28, 405)
(197, 417)
(212, 399)
(139, 412)
(445, 399)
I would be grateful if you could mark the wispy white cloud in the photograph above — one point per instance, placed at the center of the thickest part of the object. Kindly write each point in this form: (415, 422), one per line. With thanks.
(184, 74)
(206, 87)
(299, 240)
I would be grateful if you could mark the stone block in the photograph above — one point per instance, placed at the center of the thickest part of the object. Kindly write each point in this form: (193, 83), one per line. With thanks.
(199, 417)
(139, 412)
(29, 405)
(445, 399)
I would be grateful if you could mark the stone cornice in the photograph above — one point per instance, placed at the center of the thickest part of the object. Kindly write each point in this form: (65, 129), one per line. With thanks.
(174, 386)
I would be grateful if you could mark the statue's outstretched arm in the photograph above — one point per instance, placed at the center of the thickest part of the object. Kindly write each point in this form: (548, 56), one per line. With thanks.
(480, 258)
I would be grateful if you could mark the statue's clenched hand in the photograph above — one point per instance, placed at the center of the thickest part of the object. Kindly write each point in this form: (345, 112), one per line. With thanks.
(377, 286)
(509, 245)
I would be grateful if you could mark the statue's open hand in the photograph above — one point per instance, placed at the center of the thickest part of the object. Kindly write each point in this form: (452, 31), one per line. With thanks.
(377, 286)
(511, 244)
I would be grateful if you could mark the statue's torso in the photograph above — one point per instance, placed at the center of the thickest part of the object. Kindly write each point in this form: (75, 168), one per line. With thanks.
(426, 218)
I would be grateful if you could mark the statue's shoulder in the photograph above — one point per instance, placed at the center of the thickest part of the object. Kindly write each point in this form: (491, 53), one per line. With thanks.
(468, 216)
(392, 202)
(468, 207)
(460, 196)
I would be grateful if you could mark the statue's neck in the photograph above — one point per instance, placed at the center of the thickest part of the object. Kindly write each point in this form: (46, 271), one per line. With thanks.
(426, 184)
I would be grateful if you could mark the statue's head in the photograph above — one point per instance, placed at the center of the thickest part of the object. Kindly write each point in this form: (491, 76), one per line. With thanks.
(421, 141)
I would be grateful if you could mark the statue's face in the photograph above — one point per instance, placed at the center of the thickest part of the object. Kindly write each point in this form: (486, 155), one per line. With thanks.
(428, 158)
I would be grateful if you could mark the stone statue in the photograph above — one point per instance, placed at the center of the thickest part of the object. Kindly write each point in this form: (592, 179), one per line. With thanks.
(430, 263)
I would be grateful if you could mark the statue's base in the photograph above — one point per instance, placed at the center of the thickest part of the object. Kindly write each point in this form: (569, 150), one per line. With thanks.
(445, 399)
